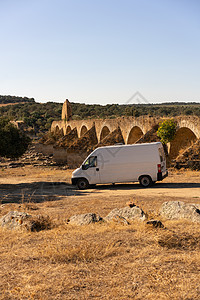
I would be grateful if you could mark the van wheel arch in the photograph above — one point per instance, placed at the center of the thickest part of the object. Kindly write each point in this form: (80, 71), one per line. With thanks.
(82, 183)
(145, 181)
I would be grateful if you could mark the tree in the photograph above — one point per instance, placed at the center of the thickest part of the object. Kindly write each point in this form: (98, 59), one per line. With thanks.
(166, 131)
(13, 143)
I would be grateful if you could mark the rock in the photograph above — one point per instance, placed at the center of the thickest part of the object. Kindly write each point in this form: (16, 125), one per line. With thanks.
(155, 223)
(129, 213)
(179, 210)
(120, 220)
(84, 219)
(30, 157)
(16, 220)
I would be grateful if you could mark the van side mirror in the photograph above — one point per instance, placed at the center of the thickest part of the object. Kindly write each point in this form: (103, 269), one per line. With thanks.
(84, 167)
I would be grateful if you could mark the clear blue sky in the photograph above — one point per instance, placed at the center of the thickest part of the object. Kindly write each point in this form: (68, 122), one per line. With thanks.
(98, 51)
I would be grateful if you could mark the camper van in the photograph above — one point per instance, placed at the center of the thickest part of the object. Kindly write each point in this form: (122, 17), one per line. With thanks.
(145, 163)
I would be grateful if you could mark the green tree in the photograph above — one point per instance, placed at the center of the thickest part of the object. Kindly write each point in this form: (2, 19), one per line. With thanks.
(13, 143)
(166, 131)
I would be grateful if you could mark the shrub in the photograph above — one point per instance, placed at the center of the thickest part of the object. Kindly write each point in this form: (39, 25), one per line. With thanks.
(13, 143)
(166, 131)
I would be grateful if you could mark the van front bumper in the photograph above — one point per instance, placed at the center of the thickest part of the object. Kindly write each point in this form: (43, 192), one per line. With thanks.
(160, 176)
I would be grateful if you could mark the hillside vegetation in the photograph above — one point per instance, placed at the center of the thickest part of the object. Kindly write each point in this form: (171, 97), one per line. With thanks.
(35, 115)
(40, 115)
(14, 99)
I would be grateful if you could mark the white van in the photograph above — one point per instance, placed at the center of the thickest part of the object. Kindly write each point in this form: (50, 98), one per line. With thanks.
(145, 163)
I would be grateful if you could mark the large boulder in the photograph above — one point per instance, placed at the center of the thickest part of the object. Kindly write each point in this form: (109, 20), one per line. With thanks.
(84, 219)
(129, 213)
(175, 210)
(16, 220)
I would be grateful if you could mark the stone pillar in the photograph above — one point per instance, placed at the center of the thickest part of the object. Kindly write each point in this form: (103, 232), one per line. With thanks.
(66, 111)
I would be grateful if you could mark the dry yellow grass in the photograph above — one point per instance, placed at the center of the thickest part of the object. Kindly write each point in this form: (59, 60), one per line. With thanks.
(6, 104)
(100, 261)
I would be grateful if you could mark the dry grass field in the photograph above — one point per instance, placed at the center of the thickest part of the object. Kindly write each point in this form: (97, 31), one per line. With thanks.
(6, 104)
(100, 261)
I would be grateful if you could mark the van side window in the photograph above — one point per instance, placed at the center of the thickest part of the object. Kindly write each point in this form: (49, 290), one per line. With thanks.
(91, 162)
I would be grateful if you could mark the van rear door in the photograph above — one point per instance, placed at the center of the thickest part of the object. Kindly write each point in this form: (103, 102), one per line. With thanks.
(162, 160)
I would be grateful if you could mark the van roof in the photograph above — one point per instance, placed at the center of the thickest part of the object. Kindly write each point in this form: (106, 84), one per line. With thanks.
(130, 145)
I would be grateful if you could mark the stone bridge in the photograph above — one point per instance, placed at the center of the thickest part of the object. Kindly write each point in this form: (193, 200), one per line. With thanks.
(132, 128)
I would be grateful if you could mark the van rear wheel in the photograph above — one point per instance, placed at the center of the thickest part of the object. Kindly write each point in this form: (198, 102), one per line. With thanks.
(145, 181)
(82, 184)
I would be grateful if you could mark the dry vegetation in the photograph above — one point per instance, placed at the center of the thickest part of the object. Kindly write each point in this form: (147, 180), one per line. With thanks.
(102, 261)
(6, 104)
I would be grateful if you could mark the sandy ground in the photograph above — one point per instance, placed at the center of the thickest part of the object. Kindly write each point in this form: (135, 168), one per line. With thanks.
(51, 190)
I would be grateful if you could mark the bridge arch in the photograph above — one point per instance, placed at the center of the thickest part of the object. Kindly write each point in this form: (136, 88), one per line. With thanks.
(104, 132)
(83, 130)
(134, 135)
(191, 123)
(61, 132)
(57, 129)
(68, 129)
(183, 139)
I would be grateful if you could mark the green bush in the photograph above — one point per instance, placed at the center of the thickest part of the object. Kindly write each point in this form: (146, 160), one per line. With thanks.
(166, 131)
(13, 143)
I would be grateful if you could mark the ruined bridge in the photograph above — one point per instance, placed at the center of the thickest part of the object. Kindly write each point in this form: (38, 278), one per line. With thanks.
(132, 128)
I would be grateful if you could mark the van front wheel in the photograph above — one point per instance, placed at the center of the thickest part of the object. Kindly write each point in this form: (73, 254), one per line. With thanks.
(145, 181)
(82, 184)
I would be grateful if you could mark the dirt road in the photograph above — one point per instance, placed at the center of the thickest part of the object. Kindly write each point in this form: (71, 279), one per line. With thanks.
(51, 190)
